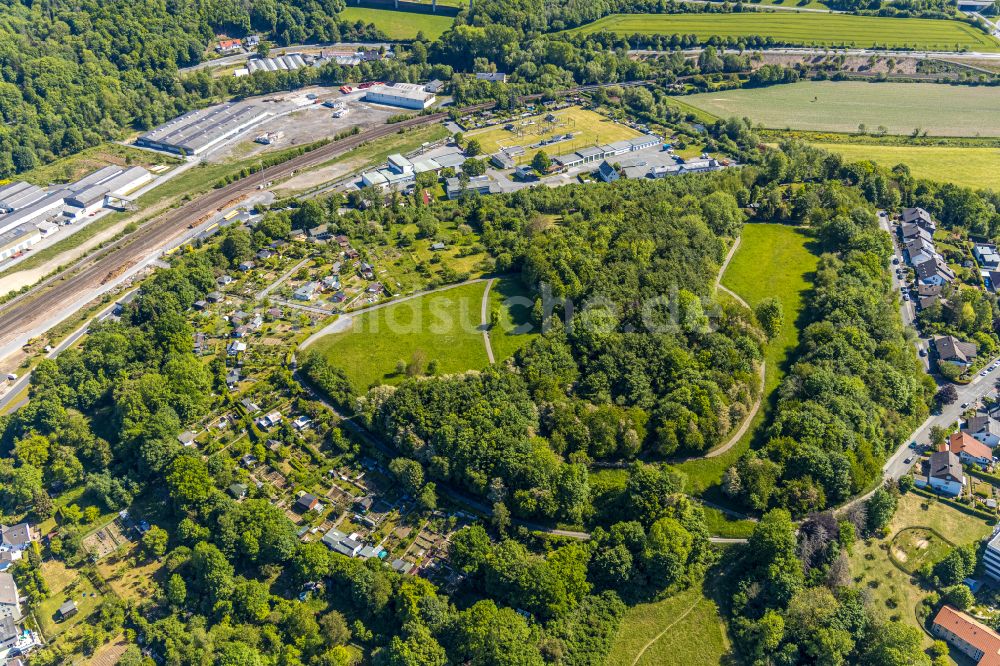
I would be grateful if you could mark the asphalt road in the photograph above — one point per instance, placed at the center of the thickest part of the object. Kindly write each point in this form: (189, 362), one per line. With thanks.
(897, 466)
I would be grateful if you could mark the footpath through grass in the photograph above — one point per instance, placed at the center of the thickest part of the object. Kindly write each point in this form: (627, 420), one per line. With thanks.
(969, 166)
(692, 633)
(399, 24)
(840, 106)
(772, 260)
(806, 29)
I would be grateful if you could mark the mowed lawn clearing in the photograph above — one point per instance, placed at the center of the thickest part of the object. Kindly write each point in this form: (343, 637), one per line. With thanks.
(891, 589)
(442, 326)
(969, 166)
(840, 106)
(805, 29)
(399, 24)
(588, 129)
(682, 630)
(515, 330)
(772, 260)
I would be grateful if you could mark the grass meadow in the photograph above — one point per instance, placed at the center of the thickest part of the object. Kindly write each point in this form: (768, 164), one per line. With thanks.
(683, 630)
(970, 166)
(806, 29)
(399, 24)
(840, 106)
(772, 260)
(891, 589)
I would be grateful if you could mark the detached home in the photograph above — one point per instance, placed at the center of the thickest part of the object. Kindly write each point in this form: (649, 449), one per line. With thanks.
(952, 350)
(944, 474)
(969, 450)
(984, 428)
(967, 635)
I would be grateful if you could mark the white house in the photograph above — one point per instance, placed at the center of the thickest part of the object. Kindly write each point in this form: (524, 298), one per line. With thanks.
(944, 474)
(984, 428)
(17, 537)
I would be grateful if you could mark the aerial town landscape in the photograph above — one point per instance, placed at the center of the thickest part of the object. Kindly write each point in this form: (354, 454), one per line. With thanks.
(501, 332)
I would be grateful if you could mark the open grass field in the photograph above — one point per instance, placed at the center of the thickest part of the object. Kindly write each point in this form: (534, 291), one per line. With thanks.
(588, 128)
(515, 306)
(840, 106)
(443, 326)
(893, 590)
(969, 166)
(805, 29)
(399, 24)
(772, 260)
(682, 630)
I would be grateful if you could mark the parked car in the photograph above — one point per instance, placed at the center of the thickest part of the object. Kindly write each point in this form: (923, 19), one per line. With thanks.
(12, 376)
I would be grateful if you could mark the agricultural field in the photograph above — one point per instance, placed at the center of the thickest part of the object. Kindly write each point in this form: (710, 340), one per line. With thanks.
(399, 24)
(682, 630)
(772, 260)
(887, 580)
(588, 128)
(969, 166)
(806, 29)
(938, 109)
(442, 326)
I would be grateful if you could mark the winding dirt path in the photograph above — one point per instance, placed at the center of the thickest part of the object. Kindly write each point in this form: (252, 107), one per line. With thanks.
(748, 421)
(485, 321)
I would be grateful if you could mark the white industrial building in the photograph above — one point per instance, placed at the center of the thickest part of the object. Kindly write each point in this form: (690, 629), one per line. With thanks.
(405, 95)
(29, 213)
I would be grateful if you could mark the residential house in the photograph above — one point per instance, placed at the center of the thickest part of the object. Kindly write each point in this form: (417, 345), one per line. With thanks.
(968, 449)
(607, 172)
(330, 282)
(967, 635)
(349, 546)
(986, 255)
(914, 231)
(984, 428)
(228, 46)
(944, 474)
(8, 558)
(306, 502)
(919, 216)
(17, 537)
(236, 347)
(302, 422)
(9, 633)
(952, 350)
(10, 600)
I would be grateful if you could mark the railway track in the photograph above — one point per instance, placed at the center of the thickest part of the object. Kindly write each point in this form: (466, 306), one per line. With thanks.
(60, 291)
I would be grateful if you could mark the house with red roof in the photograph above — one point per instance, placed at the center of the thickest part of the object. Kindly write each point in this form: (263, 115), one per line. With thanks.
(967, 635)
(969, 449)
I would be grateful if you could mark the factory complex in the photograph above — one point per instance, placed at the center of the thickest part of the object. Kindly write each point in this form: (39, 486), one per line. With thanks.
(29, 213)
(406, 95)
(195, 132)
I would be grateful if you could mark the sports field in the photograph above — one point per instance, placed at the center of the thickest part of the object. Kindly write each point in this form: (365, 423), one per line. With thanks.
(399, 24)
(806, 29)
(969, 166)
(588, 129)
(840, 106)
